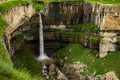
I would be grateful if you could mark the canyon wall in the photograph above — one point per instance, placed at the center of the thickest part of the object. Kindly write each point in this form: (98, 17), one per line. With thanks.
(15, 17)
(62, 15)
(107, 17)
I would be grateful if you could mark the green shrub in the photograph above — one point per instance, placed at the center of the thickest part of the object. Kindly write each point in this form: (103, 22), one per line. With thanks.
(39, 6)
(85, 27)
(5, 6)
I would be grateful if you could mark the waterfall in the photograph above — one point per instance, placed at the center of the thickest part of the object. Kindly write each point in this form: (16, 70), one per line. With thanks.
(42, 55)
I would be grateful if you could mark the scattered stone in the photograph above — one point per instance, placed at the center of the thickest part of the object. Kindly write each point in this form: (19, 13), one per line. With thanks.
(66, 58)
(73, 70)
(111, 76)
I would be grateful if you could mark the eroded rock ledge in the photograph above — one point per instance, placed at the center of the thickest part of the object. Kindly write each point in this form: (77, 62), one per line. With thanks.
(107, 17)
(16, 17)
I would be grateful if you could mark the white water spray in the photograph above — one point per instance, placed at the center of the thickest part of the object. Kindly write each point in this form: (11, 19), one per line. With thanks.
(42, 56)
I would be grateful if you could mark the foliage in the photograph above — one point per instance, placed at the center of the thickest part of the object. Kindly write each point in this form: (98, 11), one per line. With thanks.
(84, 27)
(58, 0)
(18, 36)
(106, 1)
(100, 1)
(4, 54)
(3, 23)
(22, 34)
(39, 6)
(24, 60)
(8, 72)
(81, 34)
(5, 6)
(5, 69)
(76, 52)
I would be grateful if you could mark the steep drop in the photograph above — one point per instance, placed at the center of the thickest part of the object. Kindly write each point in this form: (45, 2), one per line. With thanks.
(42, 56)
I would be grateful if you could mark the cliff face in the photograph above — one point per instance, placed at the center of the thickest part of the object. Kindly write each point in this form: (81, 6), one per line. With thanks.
(107, 17)
(60, 15)
(17, 16)
(64, 13)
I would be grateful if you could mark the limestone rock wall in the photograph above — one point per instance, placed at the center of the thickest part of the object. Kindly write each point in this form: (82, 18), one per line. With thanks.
(16, 17)
(60, 15)
(64, 13)
(107, 17)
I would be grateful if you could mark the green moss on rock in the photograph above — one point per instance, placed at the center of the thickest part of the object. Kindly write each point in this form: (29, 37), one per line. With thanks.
(76, 52)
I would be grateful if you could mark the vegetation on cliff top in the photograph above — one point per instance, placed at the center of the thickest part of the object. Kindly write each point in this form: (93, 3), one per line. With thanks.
(58, 0)
(100, 1)
(5, 6)
(106, 1)
(76, 52)
(39, 6)
(6, 67)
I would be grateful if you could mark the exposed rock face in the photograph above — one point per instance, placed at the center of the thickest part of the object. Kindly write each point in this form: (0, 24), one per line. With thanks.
(73, 70)
(61, 15)
(111, 76)
(69, 38)
(107, 17)
(64, 13)
(107, 43)
(93, 13)
(17, 16)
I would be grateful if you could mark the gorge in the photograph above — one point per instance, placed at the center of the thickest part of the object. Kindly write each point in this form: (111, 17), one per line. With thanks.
(80, 37)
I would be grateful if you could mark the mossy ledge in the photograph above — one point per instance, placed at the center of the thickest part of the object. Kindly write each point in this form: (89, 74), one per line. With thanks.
(76, 52)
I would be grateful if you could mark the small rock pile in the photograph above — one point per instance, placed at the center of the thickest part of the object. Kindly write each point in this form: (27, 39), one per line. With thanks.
(73, 70)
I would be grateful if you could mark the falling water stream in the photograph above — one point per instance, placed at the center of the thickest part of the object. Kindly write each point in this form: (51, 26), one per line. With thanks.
(42, 56)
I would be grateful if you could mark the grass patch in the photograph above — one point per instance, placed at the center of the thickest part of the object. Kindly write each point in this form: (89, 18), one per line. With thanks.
(100, 1)
(5, 6)
(7, 72)
(106, 1)
(87, 56)
(4, 56)
(3, 23)
(23, 60)
(39, 6)
(59, 0)
(85, 27)
(22, 34)
(81, 34)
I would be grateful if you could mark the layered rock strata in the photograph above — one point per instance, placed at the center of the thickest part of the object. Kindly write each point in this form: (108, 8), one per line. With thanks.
(16, 17)
(107, 17)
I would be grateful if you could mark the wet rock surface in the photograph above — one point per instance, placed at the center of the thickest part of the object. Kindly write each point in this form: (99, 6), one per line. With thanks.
(51, 72)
